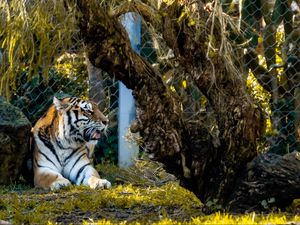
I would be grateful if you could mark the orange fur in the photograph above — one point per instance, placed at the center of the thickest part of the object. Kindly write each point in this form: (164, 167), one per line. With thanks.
(44, 180)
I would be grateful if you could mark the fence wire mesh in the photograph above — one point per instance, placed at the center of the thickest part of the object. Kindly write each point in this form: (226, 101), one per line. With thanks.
(270, 59)
(269, 42)
(272, 66)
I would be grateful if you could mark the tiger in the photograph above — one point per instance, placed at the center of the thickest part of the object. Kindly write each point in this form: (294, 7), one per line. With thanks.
(64, 140)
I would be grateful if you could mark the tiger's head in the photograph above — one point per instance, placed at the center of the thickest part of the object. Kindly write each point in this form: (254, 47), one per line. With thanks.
(81, 120)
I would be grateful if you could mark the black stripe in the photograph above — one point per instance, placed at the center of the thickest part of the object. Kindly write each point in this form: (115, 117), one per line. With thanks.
(48, 144)
(82, 179)
(76, 114)
(44, 115)
(43, 154)
(84, 120)
(69, 117)
(72, 99)
(79, 139)
(80, 170)
(77, 133)
(40, 166)
(70, 122)
(64, 127)
(80, 156)
(60, 145)
(69, 156)
(88, 152)
(35, 160)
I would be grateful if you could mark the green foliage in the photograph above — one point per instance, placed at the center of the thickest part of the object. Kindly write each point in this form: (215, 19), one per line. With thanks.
(32, 35)
(35, 96)
(106, 149)
(213, 205)
(267, 203)
(286, 140)
(280, 136)
(262, 97)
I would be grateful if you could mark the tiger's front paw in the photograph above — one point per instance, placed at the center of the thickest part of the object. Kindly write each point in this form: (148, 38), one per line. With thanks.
(59, 183)
(95, 182)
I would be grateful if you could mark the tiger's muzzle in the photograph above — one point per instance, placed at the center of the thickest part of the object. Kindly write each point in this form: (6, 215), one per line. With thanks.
(92, 134)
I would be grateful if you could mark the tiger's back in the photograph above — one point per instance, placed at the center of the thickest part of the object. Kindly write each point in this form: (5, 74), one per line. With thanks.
(64, 143)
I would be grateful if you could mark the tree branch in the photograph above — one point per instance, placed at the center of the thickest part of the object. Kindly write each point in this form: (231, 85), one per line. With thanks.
(159, 114)
(147, 12)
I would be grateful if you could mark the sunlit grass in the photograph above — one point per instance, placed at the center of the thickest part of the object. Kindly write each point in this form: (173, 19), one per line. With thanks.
(130, 201)
(218, 218)
(37, 206)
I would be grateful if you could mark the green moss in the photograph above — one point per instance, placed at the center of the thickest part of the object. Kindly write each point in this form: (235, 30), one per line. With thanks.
(136, 203)
(11, 115)
(38, 208)
(137, 194)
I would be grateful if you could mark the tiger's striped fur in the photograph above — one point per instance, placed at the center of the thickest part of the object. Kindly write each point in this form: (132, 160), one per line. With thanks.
(64, 143)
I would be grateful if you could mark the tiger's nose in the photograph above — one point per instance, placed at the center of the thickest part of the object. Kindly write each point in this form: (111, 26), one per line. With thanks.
(105, 122)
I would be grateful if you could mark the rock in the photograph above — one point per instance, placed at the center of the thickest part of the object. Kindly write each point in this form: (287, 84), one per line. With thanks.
(14, 141)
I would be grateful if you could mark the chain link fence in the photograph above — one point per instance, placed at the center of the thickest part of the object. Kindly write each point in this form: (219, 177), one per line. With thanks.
(270, 41)
(271, 58)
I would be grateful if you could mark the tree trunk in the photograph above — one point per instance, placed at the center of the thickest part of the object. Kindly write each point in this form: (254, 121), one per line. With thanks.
(239, 119)
(211, 165)
(159, 114)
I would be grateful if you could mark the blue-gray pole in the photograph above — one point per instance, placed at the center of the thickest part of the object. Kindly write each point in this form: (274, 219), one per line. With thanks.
(127, 151)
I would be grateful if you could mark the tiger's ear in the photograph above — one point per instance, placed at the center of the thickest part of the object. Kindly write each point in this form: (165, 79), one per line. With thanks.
(59, 105)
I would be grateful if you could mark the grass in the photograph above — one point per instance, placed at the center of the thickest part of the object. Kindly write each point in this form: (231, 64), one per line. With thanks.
(122, 202)
(137, 197)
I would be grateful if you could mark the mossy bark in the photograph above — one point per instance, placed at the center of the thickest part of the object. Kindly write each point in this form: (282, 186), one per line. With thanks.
(14, 141)
(239, 120)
